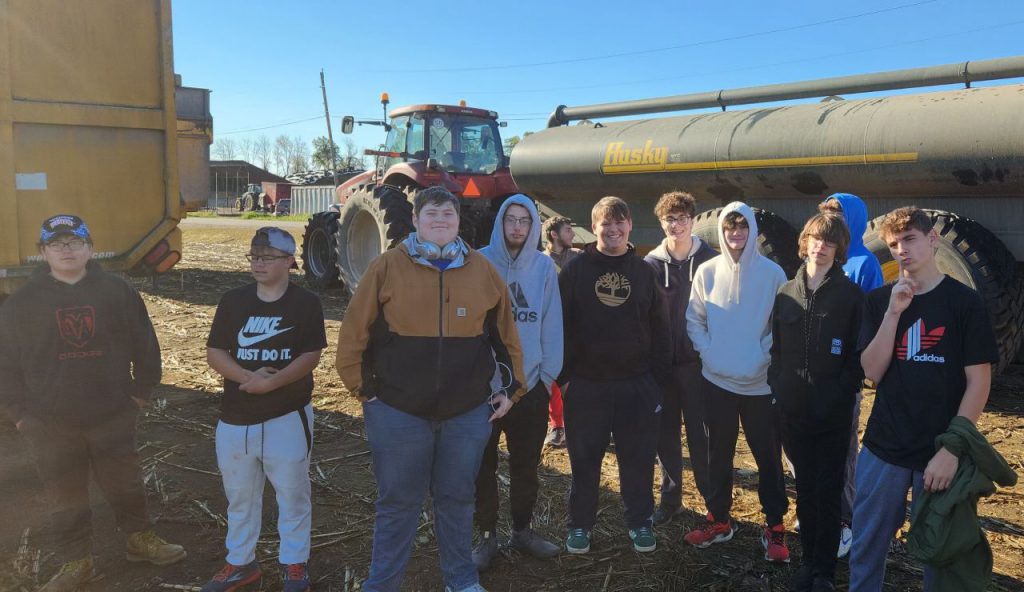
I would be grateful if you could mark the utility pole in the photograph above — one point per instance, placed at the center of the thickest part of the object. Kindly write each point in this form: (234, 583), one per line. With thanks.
(330, 136)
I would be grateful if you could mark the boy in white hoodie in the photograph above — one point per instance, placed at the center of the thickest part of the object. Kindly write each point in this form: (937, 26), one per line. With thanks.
(729, 322)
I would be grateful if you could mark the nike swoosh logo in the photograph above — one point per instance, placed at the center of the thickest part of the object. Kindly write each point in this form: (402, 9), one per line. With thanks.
(244, 341)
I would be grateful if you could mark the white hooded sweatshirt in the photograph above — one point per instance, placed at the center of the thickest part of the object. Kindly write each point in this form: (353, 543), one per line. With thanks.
(729, 315)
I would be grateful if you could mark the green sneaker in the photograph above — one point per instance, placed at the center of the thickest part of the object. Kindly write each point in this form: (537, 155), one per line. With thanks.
(643, 539)
(578, 541)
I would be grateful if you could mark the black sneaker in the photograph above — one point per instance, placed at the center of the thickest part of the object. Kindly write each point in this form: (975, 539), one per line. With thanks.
(665, 514)
(802, 580)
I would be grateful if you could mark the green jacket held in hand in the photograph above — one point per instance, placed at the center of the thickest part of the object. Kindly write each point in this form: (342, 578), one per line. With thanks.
(944, 528)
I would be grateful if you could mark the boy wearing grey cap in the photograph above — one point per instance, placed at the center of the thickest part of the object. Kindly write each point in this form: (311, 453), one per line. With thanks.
(265, 341)
(78, 359)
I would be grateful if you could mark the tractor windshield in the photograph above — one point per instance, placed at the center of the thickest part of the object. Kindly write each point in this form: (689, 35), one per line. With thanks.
(405, 138)
(464, 143)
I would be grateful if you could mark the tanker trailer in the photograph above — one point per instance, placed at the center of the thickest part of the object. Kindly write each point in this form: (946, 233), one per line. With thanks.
(958, 153)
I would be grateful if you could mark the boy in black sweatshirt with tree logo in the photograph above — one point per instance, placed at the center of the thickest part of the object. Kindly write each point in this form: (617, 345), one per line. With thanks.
(617, 360)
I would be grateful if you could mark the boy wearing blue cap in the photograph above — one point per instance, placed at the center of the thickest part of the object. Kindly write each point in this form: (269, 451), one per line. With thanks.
(78, 359)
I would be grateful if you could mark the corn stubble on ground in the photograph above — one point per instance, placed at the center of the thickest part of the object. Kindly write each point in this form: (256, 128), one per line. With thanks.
(187, 500)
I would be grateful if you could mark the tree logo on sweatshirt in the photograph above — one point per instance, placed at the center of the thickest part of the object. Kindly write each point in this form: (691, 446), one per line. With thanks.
(612, 289)
(77, 325)
(918, 338)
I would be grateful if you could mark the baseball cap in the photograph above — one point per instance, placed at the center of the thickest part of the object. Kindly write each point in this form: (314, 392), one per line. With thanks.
(63, 224)
(275, 238)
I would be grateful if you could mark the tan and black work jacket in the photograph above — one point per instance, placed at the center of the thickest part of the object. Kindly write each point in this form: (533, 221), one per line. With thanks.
(424, 340)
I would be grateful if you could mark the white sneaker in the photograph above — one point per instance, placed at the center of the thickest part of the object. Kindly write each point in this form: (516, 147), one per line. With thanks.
(845, 541)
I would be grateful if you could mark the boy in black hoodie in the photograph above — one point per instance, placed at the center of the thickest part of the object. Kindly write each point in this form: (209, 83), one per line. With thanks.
(674, 262)
(815, 374)
(78, 359)
(616, 363)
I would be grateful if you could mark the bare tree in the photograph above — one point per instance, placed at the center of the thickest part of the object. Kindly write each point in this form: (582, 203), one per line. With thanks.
(225, 149)
(246, 148)
(351, 158)
(261, 152)
(300, 155)
(282, 154)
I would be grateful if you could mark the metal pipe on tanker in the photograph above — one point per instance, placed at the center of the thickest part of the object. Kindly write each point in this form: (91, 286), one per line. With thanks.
(961, 72)
(961, 143)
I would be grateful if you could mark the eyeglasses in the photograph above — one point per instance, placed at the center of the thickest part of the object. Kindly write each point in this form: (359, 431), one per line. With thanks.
(513, 221)
(75, 244)
(264, 258)
(670, 220)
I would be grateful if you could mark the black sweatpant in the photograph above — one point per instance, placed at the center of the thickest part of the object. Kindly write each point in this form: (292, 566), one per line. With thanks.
(594, 410)
(525, 427)
(761, 425)
(683, 404)
(64, 456)
(820, 461)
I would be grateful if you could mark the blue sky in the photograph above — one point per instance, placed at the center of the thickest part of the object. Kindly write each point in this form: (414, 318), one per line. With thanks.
(262, 59)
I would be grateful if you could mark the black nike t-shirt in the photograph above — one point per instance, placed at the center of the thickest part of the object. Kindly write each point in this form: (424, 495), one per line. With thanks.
(258, 334)
(938, 335)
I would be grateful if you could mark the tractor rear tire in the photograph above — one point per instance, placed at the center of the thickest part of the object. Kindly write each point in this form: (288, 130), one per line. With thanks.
(776, 240)
(969, 253)
(320, 250)
(372, 221)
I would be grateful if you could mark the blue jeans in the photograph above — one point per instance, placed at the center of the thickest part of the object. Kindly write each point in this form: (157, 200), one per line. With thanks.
(411, 456)
(879, 510)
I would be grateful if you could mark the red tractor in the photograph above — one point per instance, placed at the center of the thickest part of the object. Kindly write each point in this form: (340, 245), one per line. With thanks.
(457, 147)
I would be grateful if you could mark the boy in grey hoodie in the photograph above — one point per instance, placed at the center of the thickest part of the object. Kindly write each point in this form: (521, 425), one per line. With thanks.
(537, 307)
(729, 322)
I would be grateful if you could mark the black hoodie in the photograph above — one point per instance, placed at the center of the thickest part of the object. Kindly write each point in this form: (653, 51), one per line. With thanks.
(675, 278)
(616, 321)
(75, 353)
(815, 370)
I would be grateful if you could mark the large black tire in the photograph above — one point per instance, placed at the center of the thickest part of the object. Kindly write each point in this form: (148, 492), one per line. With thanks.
(320, 250)
(372, 221)
(776, 240)
(970, 254)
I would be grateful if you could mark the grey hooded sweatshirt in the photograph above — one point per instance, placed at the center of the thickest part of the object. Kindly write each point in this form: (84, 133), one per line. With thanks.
(729, 315)
(533, 283)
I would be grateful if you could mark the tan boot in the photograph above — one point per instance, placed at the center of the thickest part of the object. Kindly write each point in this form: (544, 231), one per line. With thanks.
(71, 575)
(145, 545)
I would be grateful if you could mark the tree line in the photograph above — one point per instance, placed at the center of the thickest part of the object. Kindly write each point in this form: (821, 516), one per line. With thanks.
(286, 155)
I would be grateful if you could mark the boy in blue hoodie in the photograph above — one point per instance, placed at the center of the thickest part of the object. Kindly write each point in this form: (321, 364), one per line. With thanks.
(863, 269)
(729, 322)
(537, 308)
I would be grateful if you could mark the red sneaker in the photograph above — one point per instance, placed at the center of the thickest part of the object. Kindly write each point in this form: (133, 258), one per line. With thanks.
(709, 533)
(774, 542)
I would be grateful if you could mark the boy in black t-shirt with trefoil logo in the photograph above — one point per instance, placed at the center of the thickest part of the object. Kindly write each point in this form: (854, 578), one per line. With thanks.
(927, 342)
(265, 341)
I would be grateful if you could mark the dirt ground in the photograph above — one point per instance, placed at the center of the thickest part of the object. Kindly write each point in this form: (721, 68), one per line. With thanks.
(176, 440)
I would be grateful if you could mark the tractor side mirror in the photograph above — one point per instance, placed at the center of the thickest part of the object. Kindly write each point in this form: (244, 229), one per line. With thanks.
(347, 123)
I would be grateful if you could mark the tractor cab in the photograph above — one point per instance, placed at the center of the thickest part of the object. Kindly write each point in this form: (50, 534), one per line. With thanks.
(457, 140)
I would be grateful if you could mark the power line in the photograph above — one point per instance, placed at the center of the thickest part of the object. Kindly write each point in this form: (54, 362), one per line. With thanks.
(664, 49)
(742, 68)
(233, 131)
